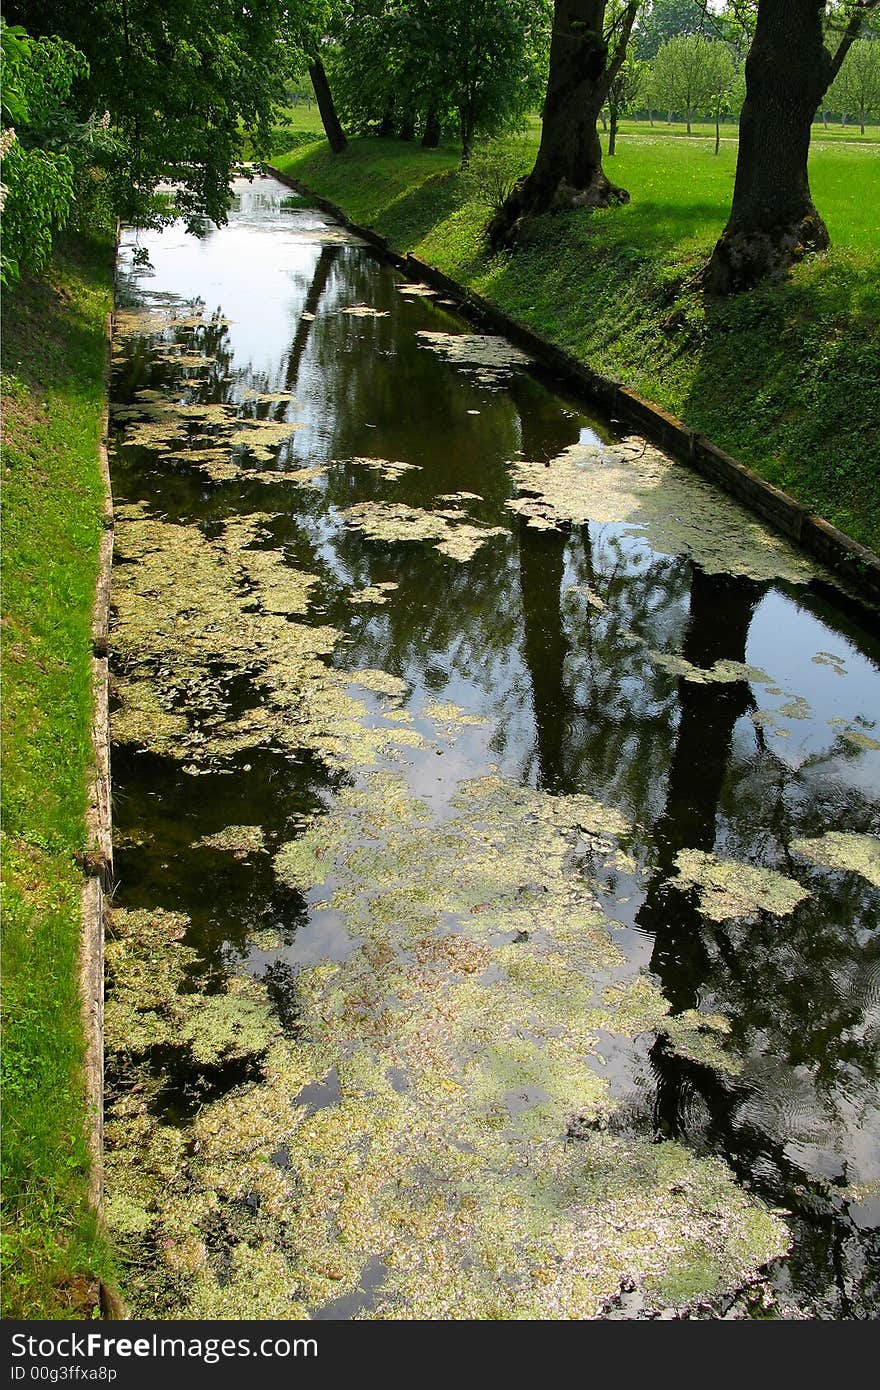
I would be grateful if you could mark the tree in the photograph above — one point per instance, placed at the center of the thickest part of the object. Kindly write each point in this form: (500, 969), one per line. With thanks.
(588, 47)
(856, 88)
(662, 20)
(179, 79)
(624, 92)
(773, 222)
(400, 65)
(38, 76)
(323, 95)
(692, 73)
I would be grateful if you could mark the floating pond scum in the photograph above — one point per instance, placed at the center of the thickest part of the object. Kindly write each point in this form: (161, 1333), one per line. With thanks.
(496, 830)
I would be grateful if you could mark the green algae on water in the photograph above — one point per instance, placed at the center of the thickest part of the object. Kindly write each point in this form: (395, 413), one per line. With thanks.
(491, 358)
(729, 889)
(723, 672)
(390, 469)
(635, 484)
(190, 608)
(846, 850)
(239, 840)
(373, 593)
(395, 521)
(859, 739)
(480, 949)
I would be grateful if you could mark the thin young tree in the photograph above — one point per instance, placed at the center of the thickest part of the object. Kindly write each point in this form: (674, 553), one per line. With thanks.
(624, 92)
(722, 83)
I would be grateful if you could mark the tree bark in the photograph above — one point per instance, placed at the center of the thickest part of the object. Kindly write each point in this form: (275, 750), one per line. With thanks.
(334, 132)
(612, 132)
(568, 170)
(386, 126)
(431, 137)
(407, 125)
(773, 221)
(467, 135)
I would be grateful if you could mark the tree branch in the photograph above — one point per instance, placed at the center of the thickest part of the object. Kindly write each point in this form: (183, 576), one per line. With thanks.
(626, 24)
(850, 34)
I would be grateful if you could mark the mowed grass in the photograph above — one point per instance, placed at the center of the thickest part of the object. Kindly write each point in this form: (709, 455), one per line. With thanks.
(53, 396)
(834, 132)
(787, 378)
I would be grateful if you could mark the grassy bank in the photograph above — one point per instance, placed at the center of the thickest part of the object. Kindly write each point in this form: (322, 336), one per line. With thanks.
(786, 378)
(53, 396)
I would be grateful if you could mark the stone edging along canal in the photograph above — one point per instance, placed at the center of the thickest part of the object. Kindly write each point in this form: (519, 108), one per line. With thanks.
(98, 859)
(854, 562)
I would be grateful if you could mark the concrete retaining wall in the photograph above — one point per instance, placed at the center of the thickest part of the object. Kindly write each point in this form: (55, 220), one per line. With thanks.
(98, 858)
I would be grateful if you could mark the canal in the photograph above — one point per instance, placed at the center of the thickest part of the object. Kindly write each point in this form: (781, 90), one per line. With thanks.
(496, 829)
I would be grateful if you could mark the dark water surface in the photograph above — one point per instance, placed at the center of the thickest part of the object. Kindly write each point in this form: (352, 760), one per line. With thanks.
(552, 638)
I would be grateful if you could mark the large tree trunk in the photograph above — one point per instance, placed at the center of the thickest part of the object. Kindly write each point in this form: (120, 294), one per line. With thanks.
(773, 222)
(407, 125)
(335, 133)
(568, 171)
(431, 137)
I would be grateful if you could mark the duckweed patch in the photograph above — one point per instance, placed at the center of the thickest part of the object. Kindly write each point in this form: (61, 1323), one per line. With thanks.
(395, 521)
(463, 1036)
(240, 840)
(490, 359)
(635, 484)
(721, 673)
(729, 889)
(364, 311)
(846, 850)
(192, 612)
(859, 739)
(389, 469)
(451, 717)
(373, 593)
(148, 1006)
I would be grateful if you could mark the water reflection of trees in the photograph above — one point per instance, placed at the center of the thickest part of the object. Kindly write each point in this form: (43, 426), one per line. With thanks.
(801, 1028)
(579, 706)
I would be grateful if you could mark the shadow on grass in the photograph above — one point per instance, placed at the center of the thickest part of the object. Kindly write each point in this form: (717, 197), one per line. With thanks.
(45, 334)
(408, 218)
(788, 379)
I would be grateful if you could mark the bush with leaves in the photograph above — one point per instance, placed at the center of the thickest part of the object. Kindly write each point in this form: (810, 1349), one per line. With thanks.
(495, 167)
(39, 127)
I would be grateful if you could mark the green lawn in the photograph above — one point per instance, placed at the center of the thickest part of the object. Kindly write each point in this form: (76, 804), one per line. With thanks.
(53, 398)
(786, 378)
(834, 132)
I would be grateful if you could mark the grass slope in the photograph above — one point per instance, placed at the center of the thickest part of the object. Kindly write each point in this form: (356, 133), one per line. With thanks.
(53, 396)
(786, 378)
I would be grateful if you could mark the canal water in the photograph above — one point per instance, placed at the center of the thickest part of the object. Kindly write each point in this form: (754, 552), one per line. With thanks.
(496, 829)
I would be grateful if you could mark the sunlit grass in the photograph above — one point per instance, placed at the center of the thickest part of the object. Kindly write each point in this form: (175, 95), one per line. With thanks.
(53, 395)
